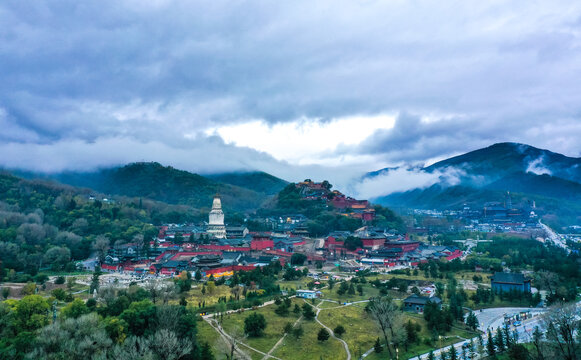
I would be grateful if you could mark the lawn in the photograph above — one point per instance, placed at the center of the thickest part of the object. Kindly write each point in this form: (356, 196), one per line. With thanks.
(361, 331)
(195, 295)
(274, 328)
(368, 291)
(295, 284)
(206, 333)
(308, 347)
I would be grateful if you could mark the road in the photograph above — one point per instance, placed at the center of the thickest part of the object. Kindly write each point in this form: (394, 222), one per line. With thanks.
(492, 319)
(555, 238)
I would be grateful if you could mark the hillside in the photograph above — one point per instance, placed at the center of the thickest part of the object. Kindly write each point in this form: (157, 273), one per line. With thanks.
(239, 192)
(552, 180)
(258, 181)
(499, 160)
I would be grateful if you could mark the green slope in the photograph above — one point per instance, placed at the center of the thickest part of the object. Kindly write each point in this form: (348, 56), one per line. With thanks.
(164, 183)
(257, 181)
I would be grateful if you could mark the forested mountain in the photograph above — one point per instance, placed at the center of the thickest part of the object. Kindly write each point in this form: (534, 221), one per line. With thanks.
(552, 180)
(49, 225)
(258, 181)
(239, 191)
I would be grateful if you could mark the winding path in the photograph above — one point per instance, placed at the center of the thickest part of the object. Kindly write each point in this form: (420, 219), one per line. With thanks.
(237, 349)
(329, 329)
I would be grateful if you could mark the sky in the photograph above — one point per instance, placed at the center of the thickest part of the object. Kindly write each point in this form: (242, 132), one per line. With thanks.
(327, 89)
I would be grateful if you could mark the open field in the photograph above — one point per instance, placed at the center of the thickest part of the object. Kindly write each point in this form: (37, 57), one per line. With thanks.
(368, 291)
(308, 347)
(274, 330)
(361, 330)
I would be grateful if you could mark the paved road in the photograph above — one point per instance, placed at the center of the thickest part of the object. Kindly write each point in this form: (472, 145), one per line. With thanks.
(494, 318)
(555, 238)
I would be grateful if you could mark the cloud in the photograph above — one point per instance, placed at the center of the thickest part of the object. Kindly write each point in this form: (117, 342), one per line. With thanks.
(104, 82)
(403, 179)
(537, 167)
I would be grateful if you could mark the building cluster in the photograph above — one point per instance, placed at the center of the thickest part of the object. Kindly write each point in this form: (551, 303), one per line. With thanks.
(494, 217)
(348, 206)
(381, 249)
(215, 249)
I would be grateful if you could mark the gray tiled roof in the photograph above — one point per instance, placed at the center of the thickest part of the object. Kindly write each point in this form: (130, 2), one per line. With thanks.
(509, 278)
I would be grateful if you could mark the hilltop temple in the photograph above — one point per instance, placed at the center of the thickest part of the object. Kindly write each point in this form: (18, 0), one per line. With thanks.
(216, 228)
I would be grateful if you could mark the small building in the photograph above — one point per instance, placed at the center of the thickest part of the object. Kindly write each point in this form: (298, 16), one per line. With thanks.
(504, 282)
(261, 242)
(416, 303)
(309, 294)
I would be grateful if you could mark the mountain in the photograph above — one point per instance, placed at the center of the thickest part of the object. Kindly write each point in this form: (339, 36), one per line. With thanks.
(239, 192)
(502, 159)
(258, 181)
(550, 179)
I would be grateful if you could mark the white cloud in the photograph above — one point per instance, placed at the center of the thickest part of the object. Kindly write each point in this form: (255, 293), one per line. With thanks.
(294, 88)
(537, 167)
(403, 179)
(306, 141)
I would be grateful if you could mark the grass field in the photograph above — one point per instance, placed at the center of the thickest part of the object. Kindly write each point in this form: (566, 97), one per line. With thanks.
(308, 347)
(274, 329)
(361, 330)
(368, 291)
(195, 295)
(206, 333)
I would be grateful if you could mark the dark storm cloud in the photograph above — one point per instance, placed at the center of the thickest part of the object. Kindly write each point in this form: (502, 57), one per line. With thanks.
(79, 75)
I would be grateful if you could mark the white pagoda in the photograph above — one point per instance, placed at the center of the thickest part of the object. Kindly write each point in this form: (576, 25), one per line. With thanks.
(216, 226)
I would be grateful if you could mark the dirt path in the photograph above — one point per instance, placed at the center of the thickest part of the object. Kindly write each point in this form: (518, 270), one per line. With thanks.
(329, 329)
(237, 349)
(280, 340)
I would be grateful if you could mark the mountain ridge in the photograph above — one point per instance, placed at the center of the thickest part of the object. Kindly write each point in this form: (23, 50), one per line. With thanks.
(174, 186)
(486, 174)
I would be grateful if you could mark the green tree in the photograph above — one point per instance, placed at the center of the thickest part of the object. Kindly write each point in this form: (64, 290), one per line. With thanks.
(351, 290)
(490, 350)
(140, 317)
(298, 259)
(377, 347)
(298, 332)
(59, 294)
(499, 340)
(453, 354)
(75, 309)
(323, 335)
(339, 330)
(254, 325)
(32, 312)
(288, 328)
(518, 352)
(308, 312)
(472, 321)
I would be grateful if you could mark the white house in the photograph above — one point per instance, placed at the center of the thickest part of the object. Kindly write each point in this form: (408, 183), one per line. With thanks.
(308, 294)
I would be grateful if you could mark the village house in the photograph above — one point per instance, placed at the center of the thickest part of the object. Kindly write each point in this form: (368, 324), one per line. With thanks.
(416, 303)
(505, 282)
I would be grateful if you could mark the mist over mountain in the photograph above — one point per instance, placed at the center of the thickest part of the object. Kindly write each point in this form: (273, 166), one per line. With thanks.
(551, 180)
